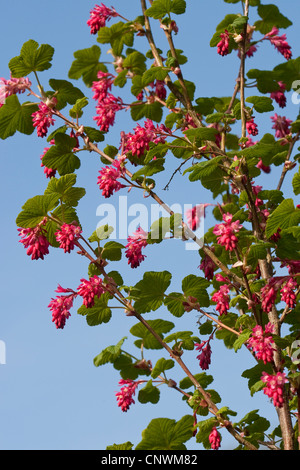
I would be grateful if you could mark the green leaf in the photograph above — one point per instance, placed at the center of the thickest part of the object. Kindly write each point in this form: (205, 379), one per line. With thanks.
(196, 286)
(101, 233)
(296, 183)
(204, 430)
(154, 73)
(270, 16)
(261, 104)
(284, 216)
(152, 111)
(35, 209)
(66, 92)
(147, 338)
(86, 65)
(32, 58)
(167, 434)
(174, 303)
(149, 292)
(109, 354)
(117, 35)
(149, 394)
(64, 189)
(159, 9)
(60, 156)
(203, 379)
(161, 366)
(254, 375)
(76, 111)
(112, 251)
(242, 338)
(135, 63)
(201, 134)
(16, 117)
(99, 313)
(94, 134)
(125, 446)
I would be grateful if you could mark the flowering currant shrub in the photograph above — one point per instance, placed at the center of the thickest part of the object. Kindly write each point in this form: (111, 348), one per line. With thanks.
(244, 286)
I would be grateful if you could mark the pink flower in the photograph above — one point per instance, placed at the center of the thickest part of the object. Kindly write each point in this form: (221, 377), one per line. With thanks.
(98, 17)
(287, 293)
(204, 357)
(222, 299)
(251, 127)
(42, 119)
(102, 86)
(34, 239)
(135, 244)
(108, 178)
(208, 267)
(194, 216)
(49, 172)
(214, 439)
(89, 289)
(264, 168)
(67, 236)
(281, 126)
(12, 87)
(226, 232)
(223, 45)
(262, 343)
(275, 387)
(106, 111)
(279, 42)
(279, 95)
(60, 307)
(138, 142)
(125, 395)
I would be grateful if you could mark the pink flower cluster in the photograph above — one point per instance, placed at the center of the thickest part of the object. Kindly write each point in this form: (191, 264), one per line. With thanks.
(270, 290)
(125, 395)
(102, 86)
(67, 236)
(281, 125)
(138, 142)
(108, 179)
(49, 172)
(226, 232)
(61, 306)
(251, 127)
(34, 239)
(279, 42)
(134, 246)
(98, 17)
(221, 297)
(107, 104)
(261, 342)
(12, 87)
(208, 267)
(89, 289)
(42, 119)
(223, 45)
(279, 95)
(204, 357)
(274, 388)
(214, 439)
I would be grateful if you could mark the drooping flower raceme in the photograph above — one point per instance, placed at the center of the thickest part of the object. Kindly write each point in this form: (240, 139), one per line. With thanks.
(90, 289)
(102, 86)
(134, 246)
(138, 142)
(125, 395)
(42, 119)
(251, 127)
(12, 87)
(35, 240)
(281, 125)
(226, 232)
(287, 293)
(262, 343)
(67, 236)
(49, 172)
(279, 42)
(274, 388)
(60, 308)
(222, 298)
(204, 357)
(279, 95)
(214, 439)
(109, 176)
(98, 17)
(223, 45)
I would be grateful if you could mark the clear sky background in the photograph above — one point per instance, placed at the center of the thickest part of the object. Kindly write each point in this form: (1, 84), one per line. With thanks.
(51, 394)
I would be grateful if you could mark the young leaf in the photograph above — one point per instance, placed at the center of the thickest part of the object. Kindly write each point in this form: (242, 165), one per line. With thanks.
(16, 117)
(64, 189)
(99, 313)
(167, 434)
(109, 354)
(32, 58)
(149, 292)
(161, 366)
(270, 16)
(149, 394)
(147, 339)
(284, 216)
(35, 209)
(86, 65)
(60, 156)
(261, 104)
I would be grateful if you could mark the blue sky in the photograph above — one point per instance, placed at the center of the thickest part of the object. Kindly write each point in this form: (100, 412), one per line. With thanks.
(51, 394)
